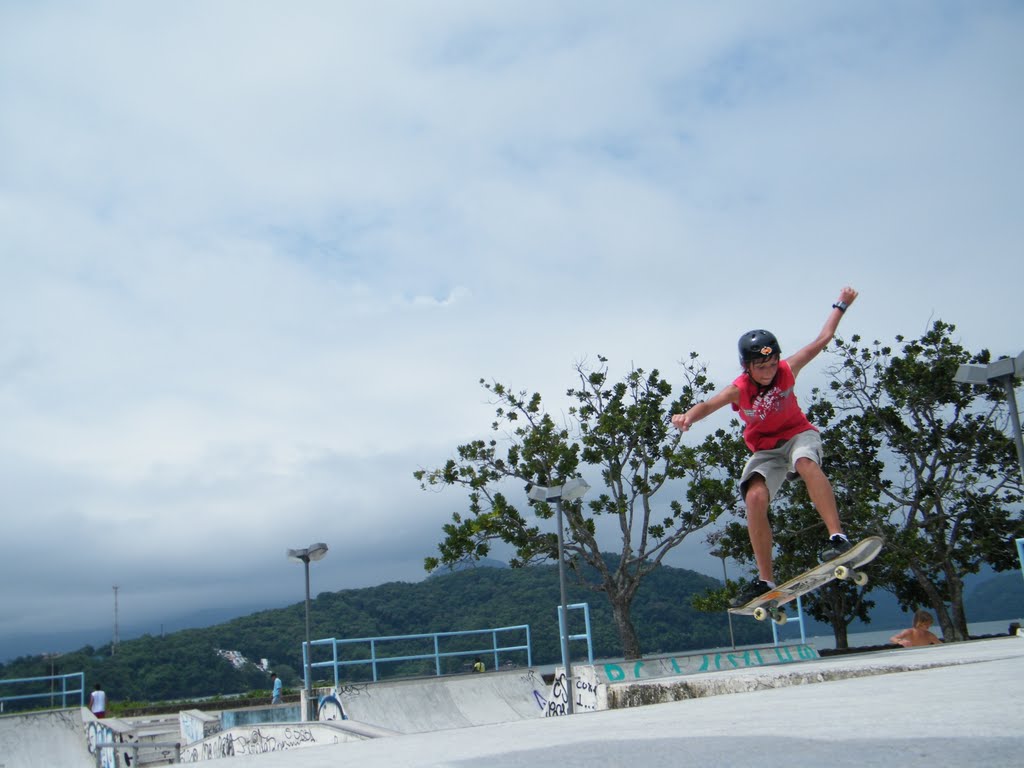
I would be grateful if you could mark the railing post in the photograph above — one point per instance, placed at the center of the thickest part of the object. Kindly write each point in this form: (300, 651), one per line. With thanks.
(800, 620)
(334, 658)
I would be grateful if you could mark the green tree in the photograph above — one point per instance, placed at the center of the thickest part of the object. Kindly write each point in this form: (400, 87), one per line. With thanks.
(620, 430)
(952, 481)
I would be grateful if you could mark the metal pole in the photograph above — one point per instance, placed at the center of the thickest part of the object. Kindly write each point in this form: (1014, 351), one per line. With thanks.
(1011, 401)
(1020, 555)
(309, 650)
(563, 623)
(117, 632)
(725, 582)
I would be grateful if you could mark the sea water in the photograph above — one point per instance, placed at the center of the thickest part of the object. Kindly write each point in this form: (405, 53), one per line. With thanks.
(791, 634)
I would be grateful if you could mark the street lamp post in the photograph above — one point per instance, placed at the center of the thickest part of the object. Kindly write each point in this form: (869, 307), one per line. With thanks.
(1004, 371)
(725, 583)
(570, 491)
(306, 556)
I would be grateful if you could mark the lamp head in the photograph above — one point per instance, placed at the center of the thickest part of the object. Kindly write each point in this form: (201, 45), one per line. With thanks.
(536, 492)
(309, 554)
(574, 489)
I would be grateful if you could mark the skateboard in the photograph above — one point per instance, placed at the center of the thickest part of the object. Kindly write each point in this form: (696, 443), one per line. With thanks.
(843, 567)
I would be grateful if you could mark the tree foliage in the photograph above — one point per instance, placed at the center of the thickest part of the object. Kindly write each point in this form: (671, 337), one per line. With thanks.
(951, 476)
(617, 430)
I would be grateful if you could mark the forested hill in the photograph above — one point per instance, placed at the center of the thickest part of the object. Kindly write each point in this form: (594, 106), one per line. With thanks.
(185, 664)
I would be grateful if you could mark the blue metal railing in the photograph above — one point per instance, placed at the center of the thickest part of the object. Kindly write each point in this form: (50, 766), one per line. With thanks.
(585, 635)
(494, 650)
(64, 692)
(800, 621)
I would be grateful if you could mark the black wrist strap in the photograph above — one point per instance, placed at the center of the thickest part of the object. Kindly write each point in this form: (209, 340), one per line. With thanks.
(840, 305)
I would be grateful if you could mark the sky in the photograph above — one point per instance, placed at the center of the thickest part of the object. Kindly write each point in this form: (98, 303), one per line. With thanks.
(256, 257)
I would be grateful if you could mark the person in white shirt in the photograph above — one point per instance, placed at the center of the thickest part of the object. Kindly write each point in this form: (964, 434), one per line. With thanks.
(98, 701)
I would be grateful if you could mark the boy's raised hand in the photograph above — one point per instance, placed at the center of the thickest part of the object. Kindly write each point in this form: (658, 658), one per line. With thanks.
(681, 421)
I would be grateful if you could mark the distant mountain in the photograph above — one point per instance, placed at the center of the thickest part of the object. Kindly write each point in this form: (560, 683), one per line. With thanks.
(996, 598)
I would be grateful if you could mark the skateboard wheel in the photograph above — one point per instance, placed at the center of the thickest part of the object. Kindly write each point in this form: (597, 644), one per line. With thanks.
(760, 614)
(860, 579)
(842, 572)
(781, 618)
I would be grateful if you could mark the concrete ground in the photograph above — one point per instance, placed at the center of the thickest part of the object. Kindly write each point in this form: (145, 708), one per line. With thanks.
(948, 705)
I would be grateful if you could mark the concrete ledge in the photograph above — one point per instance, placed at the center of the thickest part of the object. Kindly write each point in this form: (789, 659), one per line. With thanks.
(660, 691)
(710, 661)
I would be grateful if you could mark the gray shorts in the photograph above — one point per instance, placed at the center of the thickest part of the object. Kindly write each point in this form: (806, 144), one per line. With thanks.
(779, 464)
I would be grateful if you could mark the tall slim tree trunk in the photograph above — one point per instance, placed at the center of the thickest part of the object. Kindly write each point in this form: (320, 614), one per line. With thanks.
(839, 631)
(627, 633)
(951, 619)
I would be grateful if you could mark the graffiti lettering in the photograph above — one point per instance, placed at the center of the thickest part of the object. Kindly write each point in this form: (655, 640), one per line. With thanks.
(705, 662)
(353, 689)
(540, 701)
(529, 676)
(255, 742)
(330, 709)
(584, 687)
(614, 673)
(98, 733)
(558, 702)
(586, 693)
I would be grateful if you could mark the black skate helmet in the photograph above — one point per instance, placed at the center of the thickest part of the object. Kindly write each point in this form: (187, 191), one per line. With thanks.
(758, 345)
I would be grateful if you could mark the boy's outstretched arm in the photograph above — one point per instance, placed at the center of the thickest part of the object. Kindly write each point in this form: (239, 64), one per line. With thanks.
(802, 357)
(683, 421)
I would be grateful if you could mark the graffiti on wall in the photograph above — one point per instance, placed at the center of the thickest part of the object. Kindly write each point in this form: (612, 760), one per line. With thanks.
(583, 691)
(96, 732)
(706, 662)
(329, 708)
(257, 741)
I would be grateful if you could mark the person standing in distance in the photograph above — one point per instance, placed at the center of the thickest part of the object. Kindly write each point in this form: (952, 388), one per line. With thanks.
(98, 701)
(275, 697)
(783, 443)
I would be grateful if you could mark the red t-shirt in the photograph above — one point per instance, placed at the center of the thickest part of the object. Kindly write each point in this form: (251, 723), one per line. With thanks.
(773, 415)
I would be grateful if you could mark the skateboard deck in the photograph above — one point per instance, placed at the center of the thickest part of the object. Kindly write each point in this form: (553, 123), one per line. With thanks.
(843, 567)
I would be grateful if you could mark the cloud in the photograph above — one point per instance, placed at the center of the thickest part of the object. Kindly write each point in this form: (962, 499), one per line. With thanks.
(254, 263)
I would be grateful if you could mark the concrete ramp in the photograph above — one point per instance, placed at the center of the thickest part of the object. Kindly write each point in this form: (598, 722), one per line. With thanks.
(272, 737)
(44, 740)
(432, 704)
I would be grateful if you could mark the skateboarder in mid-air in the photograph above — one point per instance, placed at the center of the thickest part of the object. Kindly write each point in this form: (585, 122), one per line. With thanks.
(784, 443)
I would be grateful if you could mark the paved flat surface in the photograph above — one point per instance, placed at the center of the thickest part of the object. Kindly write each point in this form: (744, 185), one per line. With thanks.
(948, 705)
